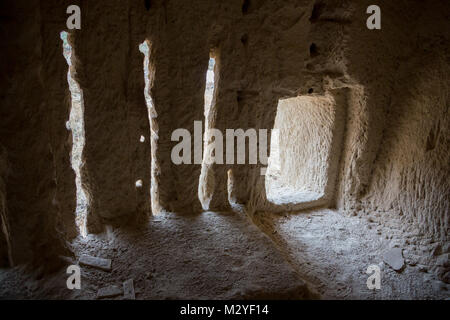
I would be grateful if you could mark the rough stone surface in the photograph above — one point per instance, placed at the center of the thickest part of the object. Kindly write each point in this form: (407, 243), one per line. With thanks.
(396, 162)
(5, 245)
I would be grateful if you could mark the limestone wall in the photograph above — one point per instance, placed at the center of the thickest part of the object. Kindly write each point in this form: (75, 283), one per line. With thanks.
(40, 185)
(5, 246)
(396, 161)
(110, 73)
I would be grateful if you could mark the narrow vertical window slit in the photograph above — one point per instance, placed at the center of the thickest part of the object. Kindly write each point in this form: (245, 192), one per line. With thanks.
(144, 48)
(205, 187)
(76, 125)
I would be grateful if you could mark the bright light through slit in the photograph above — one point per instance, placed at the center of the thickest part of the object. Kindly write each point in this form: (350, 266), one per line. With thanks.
(76, 125)
(205, 190)
(152, 117)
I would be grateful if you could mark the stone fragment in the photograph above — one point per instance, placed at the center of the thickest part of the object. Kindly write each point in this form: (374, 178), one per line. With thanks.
(128, 290)
(394, 258)
(109, 292)
(95, 262)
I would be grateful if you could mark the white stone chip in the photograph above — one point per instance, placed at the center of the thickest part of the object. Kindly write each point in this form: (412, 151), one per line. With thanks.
(95, 262)
(394, 258)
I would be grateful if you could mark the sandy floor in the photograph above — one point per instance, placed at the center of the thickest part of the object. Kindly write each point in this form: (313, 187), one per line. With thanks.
(332, 252)
(222, 256)
(204, 256)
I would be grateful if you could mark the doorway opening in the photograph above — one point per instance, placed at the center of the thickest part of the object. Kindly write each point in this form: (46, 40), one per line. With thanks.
(303, 153)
